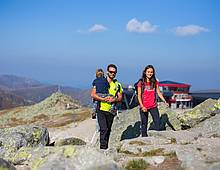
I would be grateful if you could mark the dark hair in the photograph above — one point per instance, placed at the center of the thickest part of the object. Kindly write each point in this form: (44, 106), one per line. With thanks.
(152, 79)
(112, 65)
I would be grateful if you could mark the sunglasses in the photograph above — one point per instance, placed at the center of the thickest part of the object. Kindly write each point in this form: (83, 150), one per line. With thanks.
(112, 72)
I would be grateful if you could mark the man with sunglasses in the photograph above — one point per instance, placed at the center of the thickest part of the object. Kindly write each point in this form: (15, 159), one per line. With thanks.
(105, 117)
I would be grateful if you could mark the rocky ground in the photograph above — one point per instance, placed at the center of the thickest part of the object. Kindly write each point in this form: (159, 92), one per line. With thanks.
(83, 130)
(194, 145)
(55, 111)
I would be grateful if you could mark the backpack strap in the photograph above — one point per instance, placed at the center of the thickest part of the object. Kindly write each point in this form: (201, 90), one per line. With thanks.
(118, 87)
(142, 86)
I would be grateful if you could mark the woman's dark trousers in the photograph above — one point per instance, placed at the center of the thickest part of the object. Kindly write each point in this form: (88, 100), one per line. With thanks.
(144, 120)
(105, 120)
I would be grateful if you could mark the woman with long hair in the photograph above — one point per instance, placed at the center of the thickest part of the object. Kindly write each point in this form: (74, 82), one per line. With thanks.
(147, 90)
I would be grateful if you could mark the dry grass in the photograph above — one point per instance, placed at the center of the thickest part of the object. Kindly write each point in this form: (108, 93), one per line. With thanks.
(173, 141)
(17, 121)
(140, 143)
(40, 117)
(154, 152)
(139, 164)
(65, 119)
(46, 120)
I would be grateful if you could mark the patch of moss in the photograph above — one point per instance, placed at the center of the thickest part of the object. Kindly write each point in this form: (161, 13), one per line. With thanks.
(37, 134)
(70, 141)
(154, 152)
(139, 164)
(37, 163)
(69, 151)
(217, 105)
(10, 149)
(22, 155)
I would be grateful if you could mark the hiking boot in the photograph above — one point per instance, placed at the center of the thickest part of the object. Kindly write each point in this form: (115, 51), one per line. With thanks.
(93, 115)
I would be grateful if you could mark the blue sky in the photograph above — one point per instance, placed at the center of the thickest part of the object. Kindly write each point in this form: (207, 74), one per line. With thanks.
(64, 41)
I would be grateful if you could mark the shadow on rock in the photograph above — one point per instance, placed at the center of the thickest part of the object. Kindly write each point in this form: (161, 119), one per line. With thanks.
(164, 121)
(131, 131)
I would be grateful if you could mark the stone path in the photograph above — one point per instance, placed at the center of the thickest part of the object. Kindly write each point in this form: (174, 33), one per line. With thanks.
(83, 130)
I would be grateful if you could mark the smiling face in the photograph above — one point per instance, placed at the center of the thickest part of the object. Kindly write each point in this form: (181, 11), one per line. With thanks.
(112, 72)
(149, 73)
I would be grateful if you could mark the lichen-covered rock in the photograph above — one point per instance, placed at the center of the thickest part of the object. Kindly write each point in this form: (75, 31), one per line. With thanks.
(14, 138)
(4, 165)
(217, 105)
(63, 157)
(82, 159)
(209, 128)
(70, 141)
(198, 114)
(168, 115)
(127, 124)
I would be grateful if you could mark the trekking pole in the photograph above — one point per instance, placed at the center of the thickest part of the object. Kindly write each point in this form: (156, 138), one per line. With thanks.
(132, 98)
(93, 137)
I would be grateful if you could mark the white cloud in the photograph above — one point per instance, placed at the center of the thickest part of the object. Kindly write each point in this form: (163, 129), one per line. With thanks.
(97, 28)
(145, 27)
(189, 30)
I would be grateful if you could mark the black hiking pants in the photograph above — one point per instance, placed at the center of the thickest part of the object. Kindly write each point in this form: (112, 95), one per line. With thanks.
(144, 120)
(105, 120)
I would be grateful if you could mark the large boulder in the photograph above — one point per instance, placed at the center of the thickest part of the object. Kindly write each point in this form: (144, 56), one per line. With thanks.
(4, 165)
(63, 157)
(209, 128)
(198, 114)
(169, 117)
(11, 139)
(127, 123)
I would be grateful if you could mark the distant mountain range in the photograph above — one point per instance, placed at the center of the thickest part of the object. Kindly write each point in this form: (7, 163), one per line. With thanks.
(10, 100)
(19, 91)
(12, 82)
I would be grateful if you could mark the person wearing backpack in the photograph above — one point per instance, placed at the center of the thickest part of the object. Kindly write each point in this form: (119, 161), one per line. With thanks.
(104, 115)
(147, 89)
(101, 84)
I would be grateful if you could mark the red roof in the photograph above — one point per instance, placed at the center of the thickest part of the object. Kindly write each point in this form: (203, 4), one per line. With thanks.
(173, 84)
